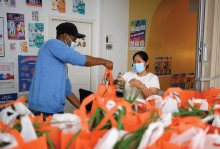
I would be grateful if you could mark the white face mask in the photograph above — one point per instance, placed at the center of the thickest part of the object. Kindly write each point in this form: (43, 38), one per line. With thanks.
(73, 44)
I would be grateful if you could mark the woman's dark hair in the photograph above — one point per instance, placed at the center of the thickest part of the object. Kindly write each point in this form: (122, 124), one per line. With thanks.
(143, 56)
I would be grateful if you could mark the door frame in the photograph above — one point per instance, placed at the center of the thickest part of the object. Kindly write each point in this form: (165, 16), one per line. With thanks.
(93, 72)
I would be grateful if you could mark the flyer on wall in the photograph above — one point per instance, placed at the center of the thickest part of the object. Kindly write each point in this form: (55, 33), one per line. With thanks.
(6, 98)
(59, 5)
(10, 3)
(26, 66)
(79, 6)
(34, 3)
(23, 46)
(163, 66)
(190, 81)
(6, 75)
(16, 26)
(13, 47)
(35, 34)
(174, 80)
(137, 34)
(2, 51)
(35, 16)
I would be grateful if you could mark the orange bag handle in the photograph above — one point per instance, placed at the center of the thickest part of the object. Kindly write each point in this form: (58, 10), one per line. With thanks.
(108, 116)
(82, 109)
(22, 99)
(112, 111)
(172, 90)
(147, 104)
(111, 76)
(18, 138)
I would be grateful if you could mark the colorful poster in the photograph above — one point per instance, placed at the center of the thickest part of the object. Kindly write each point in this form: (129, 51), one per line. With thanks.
(35, 34)
(34, 3)
(16, 26)
(26, 66)
(137, 34)
(163, 66)
(6, 75)
(59, 5)
(2, 51)
(10, 3)
(6, 98)
(35, 16)
(13, 47)
(190, 81)
(174, 80)
(182, 81)
(23, 46)
(79, 6)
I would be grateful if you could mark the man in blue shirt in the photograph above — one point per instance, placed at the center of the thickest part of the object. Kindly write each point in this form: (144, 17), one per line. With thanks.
(50, 84)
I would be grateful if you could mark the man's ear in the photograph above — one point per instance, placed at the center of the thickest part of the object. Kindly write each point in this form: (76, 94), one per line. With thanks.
(64, 35)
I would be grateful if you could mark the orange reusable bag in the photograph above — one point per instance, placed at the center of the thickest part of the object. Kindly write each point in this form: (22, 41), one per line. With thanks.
(135, 120)
(163, 143)
(184, 123)
(40, 142)
(109, 90)
(86, 139)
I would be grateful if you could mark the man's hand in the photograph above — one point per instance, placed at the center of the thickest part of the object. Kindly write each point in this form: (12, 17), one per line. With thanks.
(108, 64)
(136, 83)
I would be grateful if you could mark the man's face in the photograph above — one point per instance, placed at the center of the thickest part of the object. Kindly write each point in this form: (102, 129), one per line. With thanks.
(69, 39)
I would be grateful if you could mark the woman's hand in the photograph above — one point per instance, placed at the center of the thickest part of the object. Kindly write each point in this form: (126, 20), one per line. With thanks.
(136, 83)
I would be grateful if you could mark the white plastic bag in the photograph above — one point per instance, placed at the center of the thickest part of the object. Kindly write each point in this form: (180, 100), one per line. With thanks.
(176, 95)
(8, 138)
(22, 109)
(158, 100)
(170, 105)
(204, 104)
(152, 134)
(212, 139)
(68, 119)
(216, 121)
(8, 115)
(155, 130)
(27, 130)
(196, 136)
(108, 140)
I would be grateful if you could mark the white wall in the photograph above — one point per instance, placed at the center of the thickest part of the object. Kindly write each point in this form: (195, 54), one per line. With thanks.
(92, 8)
(112, 18)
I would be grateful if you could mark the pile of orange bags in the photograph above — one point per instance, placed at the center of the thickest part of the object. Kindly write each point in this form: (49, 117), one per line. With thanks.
(116, 123)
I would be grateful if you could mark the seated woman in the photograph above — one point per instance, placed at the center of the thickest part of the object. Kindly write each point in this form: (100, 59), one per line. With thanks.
(140, 78)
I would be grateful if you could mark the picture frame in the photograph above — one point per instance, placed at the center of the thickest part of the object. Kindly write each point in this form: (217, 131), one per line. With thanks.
(2, 44)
